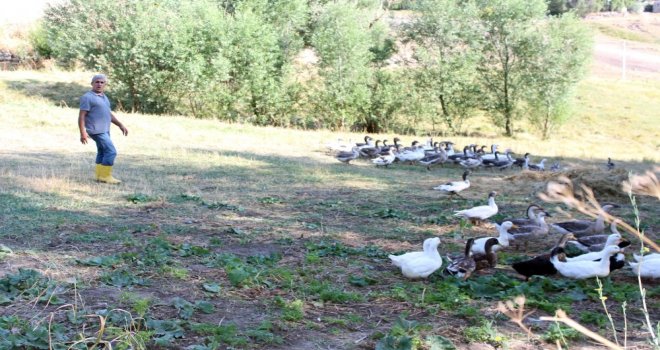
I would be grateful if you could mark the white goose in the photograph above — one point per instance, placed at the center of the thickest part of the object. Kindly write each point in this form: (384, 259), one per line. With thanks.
(479, 213)
(420, 264)
(613, 239)
(412, 155)
(646, 257)
(586, 269)
(503, 239)
(452, 188)
(647, 268)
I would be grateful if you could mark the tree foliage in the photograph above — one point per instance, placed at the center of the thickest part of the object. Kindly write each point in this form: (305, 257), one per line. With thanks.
(238, 60)
(555, 74)
(448, 55)
(507, 44)
(186, 57)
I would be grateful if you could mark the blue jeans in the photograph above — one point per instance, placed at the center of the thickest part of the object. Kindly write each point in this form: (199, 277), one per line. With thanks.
(106, 151)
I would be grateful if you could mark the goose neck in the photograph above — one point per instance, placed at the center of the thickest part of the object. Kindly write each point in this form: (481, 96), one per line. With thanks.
(503, 238)
(540, 221)
(600, 222)
(530, 213)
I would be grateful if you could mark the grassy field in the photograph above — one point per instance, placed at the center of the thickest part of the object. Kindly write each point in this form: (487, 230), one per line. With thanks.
(232, 236)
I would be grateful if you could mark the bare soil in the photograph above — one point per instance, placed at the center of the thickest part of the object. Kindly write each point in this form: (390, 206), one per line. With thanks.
(615, 57)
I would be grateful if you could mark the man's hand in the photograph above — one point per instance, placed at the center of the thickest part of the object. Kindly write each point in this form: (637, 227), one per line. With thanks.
(123, 129)
(83, 138)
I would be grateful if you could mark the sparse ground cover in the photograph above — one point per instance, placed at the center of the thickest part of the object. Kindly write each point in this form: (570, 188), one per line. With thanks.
(232, 236)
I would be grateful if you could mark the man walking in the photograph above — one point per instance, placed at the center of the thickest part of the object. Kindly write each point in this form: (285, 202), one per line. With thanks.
(94, 122)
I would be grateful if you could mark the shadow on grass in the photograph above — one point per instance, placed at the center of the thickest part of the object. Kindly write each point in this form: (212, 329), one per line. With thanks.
(59, 93)
(305, 188)
(32, 217)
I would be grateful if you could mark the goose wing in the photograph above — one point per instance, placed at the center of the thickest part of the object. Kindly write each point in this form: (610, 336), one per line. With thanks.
(538, 265)
(481, 212)
(572, 226)
(420, 268)
(399, 260)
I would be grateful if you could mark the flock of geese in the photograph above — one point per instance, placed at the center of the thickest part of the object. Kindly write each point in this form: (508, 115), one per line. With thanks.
(601, 253)
(433, 153)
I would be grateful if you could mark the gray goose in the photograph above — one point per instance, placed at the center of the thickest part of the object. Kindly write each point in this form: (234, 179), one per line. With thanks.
(582, 228)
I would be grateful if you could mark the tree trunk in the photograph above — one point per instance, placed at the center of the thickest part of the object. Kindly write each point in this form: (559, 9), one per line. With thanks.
(445, 113)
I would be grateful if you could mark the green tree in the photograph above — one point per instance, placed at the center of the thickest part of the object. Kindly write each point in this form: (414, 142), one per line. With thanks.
(448, 54)
(342, 41)
(508, 27)
(356, 90)
(206, 58)
(385, 100)
(202, 73)
(555, 73)
(135, 42)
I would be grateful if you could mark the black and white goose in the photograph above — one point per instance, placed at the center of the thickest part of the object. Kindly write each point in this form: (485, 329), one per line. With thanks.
(368, 141)
(479, 213)
(520, 162)
(471, 163)
(497, 243)
(540, 264)
(586, 269)
(385, 160)
(454, 187)
(370, 151)
(501, 162)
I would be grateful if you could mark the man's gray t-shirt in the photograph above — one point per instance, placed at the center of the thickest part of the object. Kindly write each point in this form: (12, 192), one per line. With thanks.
(98, 110)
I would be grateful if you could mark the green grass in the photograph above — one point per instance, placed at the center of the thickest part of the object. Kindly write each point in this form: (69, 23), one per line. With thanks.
(227, 235)
(625, 34)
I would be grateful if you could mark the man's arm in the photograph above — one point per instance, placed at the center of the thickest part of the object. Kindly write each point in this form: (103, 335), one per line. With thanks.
(81, 126)
(119, 124)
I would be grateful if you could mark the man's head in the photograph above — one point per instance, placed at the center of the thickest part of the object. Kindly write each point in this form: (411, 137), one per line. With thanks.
(98, 83)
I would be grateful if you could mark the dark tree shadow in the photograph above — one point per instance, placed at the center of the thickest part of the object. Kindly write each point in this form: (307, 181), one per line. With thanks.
(58, 93)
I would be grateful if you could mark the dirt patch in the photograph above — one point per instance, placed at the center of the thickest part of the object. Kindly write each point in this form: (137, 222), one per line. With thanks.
(616, 57)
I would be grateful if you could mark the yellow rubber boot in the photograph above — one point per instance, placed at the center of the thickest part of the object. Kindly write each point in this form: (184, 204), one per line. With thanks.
(105, 174)
(98, 171)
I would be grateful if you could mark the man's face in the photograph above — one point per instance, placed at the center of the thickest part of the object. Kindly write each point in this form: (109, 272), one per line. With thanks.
(98, 86)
